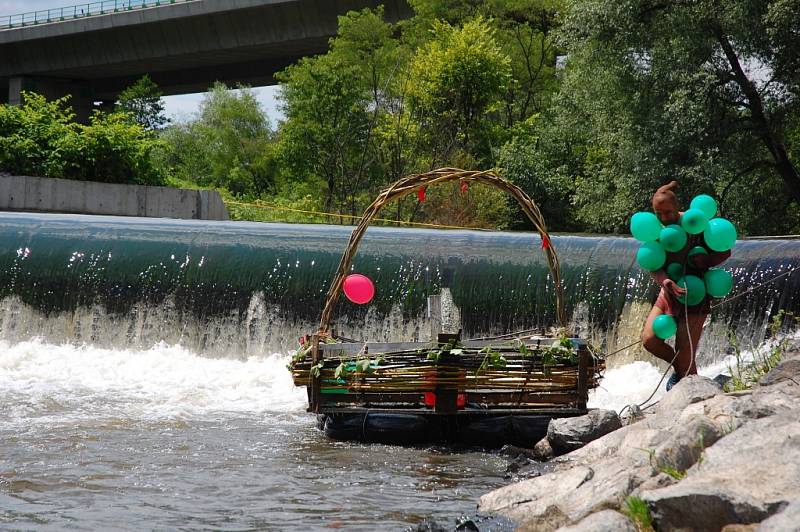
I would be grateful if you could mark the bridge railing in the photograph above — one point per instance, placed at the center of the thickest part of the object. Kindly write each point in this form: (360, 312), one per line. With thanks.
(90, 9)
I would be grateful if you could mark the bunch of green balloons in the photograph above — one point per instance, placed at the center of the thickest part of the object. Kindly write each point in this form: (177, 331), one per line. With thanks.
(719, 234)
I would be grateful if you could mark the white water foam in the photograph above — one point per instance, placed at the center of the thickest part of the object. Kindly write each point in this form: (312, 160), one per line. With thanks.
(58, 382)
(633, 383)
(629, 384)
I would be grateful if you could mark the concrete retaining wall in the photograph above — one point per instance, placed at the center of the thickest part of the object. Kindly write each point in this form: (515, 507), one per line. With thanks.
(44, 194)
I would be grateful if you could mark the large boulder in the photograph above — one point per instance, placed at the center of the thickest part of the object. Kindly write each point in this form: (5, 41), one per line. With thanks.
(744, 478)
(689, 390)
(787, 519)
(571, 433)
(604, 521)
(579, 486)
(787, 370)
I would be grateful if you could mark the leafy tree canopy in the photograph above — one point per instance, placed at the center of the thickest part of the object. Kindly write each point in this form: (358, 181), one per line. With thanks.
(701, 91)
(143, 103)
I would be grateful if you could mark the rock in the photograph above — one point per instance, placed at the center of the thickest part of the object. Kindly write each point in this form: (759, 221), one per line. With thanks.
(686, 444)
(723, 380)
(661, 480)
(739, 528)
(743, 478)
(575, 492)
(551, 519)
(427, 525)
(466, 524)
(787, 519)
(542, 450)
(691, 389)
(531, 470)
(571, 433)
(787, 370)
(605, 521)
(515, 453)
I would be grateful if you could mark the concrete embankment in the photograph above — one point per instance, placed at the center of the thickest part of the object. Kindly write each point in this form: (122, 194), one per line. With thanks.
(704, 460)
(44, 194)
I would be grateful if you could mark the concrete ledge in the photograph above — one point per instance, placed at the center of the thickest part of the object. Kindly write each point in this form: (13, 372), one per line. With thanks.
(44, 194)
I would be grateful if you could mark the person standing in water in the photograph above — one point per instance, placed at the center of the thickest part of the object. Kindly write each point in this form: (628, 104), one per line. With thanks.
(689, 319)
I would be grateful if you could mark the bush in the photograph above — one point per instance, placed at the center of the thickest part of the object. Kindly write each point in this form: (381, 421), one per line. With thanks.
(40, 138)
(111, 149)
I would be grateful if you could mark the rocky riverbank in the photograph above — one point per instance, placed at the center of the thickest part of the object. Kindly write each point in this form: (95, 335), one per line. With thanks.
(702, 460)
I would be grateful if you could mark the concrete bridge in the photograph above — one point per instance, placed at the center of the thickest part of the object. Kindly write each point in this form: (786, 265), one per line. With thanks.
(184, 45)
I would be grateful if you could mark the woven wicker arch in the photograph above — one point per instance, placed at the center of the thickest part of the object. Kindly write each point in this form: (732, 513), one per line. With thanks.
(409, 184)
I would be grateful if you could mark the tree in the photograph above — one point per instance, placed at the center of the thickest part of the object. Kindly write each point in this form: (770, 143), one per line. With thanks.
(332, 105)
(228, 144)
(142, 102)
(459, 78)
(702, 91)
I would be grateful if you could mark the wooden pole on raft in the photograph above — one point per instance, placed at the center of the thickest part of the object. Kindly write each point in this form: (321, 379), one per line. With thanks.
(584, 362)
(316, 357)
(435, 315)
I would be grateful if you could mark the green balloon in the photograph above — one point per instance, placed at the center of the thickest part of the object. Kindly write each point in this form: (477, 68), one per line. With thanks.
(694, 221)
(718, 282)
(651, 256)
(673, 238)
(664, 326)
(720, 234)
(705, 203)
(697, 250)
(695, 290)
(675, 271)
(645, 226)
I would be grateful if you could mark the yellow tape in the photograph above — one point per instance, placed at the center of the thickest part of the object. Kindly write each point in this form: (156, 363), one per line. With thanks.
(260, 205)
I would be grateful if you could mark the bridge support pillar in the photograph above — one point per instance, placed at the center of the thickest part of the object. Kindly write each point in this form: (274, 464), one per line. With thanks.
(52, 88)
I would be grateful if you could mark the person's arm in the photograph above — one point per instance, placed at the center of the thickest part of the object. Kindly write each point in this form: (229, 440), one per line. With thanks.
(715, 258)
(661, 277)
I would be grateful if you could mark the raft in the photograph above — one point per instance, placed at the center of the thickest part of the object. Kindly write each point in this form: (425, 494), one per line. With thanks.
(481, 392)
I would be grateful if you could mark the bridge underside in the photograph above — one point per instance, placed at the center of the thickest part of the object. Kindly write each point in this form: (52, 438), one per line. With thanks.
(184, 47)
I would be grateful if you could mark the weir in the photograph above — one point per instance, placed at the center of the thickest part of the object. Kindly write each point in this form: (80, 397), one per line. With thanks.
(234, 289)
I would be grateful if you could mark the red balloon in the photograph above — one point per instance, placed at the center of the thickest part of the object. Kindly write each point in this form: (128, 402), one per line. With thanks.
(358, 288)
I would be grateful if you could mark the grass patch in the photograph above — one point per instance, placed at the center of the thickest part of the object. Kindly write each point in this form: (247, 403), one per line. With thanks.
(638, 512)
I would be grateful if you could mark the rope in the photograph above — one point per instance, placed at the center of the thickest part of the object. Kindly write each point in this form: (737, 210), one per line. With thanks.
(716, 305)
(689, 334)
(751, 289)
(259, 205)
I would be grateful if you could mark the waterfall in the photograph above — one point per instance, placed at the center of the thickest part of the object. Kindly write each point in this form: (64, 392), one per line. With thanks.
(234, 289)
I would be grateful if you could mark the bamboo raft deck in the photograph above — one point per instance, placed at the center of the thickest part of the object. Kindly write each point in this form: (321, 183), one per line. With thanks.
(482, 377)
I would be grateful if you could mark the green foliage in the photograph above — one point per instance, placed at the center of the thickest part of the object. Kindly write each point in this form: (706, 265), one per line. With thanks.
(328, 135)
(111, 149)
(228, 144)
(695, 91)
(459, 77)
(492, 359)
(143, 104)
(41, 139)
(532, 165)
(636, 509)
(746, 374)
(29, 133)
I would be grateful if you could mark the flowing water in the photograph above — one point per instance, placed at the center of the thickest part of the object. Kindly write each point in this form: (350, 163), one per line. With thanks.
(142, 365)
